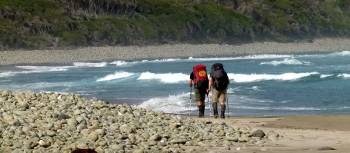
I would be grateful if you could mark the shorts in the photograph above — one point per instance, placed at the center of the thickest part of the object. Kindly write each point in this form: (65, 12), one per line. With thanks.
(200, 94)
(218, 96)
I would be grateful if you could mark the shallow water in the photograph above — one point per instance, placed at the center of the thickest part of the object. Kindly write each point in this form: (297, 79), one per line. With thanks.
(262, 85)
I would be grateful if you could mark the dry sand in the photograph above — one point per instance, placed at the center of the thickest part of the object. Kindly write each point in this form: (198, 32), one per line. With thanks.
(298, 134)
(170, 51)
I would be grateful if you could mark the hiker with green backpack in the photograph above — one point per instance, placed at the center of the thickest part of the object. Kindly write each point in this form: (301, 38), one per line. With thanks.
(199, 78)
(218, 83)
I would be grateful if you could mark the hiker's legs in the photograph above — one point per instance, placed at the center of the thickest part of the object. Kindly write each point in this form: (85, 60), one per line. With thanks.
(201, 107)
(222, 99)
(214, 102)
(200, 97)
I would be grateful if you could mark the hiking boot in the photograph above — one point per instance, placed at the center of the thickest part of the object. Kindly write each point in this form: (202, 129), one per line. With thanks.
(223, 108)
(201, 111)
(215, 109)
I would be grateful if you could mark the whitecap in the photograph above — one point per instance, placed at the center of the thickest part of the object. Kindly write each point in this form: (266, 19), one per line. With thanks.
(164, 77)
(344, 75)
(325, 76)
(114, 76)
(171, 104)
(119, 63)
(242, 78)
(34, 69)
(286, 61)
(281, 108)
(84, 64)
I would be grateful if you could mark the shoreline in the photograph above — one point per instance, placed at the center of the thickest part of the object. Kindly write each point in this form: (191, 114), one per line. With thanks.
(95, 54)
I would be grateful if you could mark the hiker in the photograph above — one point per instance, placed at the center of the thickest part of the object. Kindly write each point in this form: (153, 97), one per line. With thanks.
(218, 83)
(200, 80)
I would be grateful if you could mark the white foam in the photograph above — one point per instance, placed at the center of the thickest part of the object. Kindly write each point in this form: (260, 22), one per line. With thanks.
(119, 63)
(263, 56)
(34, 69)
(7, 74)
(325, 76)
(171, 104)
(114, 76)
(83, 64)
(164, 77)
(342, 53)
(344, 75)
(242, 78)
(281, 108)
(286, 61)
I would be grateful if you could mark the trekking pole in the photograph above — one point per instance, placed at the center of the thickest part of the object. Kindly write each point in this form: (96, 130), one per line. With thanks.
(228, 107)
(190, 104)
(210, 112)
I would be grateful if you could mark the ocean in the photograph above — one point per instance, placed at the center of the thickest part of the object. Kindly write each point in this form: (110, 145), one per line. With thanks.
(261, 85)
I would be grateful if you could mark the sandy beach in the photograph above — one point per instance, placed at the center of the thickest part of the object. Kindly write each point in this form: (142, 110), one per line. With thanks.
(170, 51)
(295, 134)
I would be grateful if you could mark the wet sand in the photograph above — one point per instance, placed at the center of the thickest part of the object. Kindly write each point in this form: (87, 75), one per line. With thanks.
(294, 134)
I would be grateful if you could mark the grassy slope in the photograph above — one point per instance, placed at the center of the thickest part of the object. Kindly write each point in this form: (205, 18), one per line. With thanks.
(61, 23)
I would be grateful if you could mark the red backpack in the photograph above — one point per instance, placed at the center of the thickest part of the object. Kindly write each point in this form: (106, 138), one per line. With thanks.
(200, 76)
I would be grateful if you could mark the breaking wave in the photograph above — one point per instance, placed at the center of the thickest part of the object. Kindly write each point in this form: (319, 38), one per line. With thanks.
(242, 78)
(286, 61)
(171, 104)
(344, 75)
(116, 75)
(83, 64)
(164, 77)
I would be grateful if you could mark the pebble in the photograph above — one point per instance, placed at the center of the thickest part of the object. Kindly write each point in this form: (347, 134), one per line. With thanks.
(63, 122)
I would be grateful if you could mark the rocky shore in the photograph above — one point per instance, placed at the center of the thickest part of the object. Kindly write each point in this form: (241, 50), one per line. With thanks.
(54, 122)
(324, 45)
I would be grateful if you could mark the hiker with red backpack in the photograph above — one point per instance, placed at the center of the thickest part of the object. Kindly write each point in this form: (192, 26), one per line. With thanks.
(218, 83)
(199, 79)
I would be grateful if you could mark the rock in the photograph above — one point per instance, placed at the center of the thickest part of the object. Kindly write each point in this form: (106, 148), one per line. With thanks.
(155, 137)
(325, 148)
(141, 150)
(178, 141)
(93, 136)
(62, 116)
(258, 133)
(60, 123)
(44, 143)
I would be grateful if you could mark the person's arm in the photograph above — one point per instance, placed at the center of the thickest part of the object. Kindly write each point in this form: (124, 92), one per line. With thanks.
(190, 83)
(191, 80)
(210, 84)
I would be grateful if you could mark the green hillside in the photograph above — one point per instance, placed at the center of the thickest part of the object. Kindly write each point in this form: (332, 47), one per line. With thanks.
(38, 24)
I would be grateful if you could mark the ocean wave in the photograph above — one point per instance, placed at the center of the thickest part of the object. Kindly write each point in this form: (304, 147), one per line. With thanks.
(322, 76)
(243, 78)
(114, 76)
(344, 75)
(119, 63)
(342, 53)
(171, 104)
(281, 108)
(40, 85)
(84, 64)
(286, 61)
(193, 59)
(45, 68)
(34, 69)
(128, 63)
(164, 77)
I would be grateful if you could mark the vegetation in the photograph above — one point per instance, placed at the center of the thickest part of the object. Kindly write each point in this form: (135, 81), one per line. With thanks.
(38, 24)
